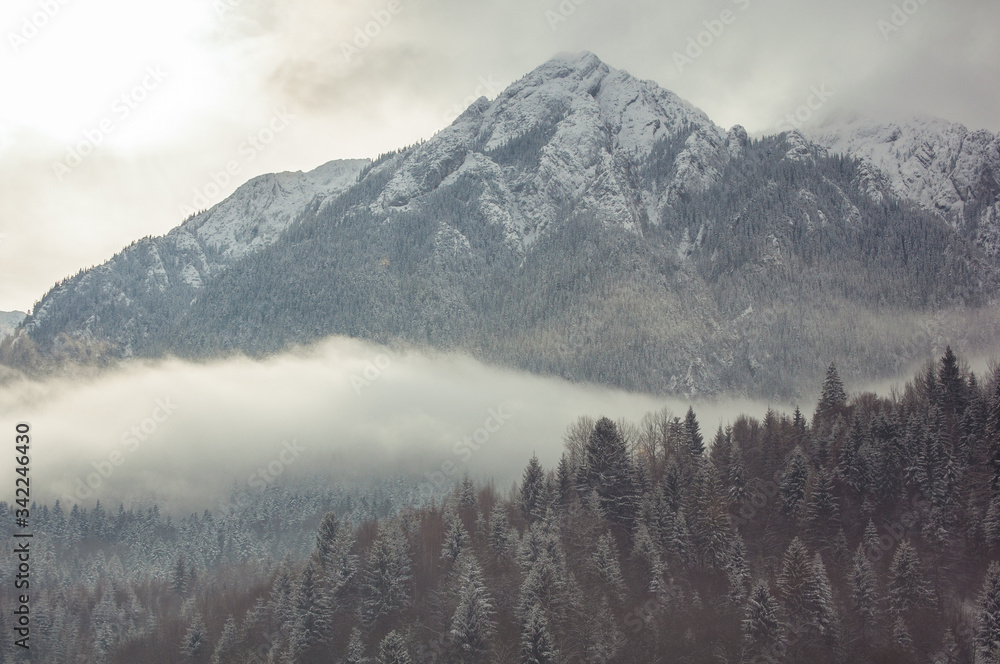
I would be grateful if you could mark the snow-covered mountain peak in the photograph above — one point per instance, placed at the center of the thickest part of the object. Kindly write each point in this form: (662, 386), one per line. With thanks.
(940, 165)
(261, 209)
(568, 135)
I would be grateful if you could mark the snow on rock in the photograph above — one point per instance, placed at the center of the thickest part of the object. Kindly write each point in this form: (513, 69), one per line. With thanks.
(9, 320)
(940, 165)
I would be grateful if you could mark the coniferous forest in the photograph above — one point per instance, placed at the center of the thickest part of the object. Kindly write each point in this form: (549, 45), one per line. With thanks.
(865, 531)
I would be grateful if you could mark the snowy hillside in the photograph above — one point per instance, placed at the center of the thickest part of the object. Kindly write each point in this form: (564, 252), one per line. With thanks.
(940, 165)
(584, 224)
(9, 320)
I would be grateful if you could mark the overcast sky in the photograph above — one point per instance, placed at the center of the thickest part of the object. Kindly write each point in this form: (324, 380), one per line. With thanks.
(170, 90)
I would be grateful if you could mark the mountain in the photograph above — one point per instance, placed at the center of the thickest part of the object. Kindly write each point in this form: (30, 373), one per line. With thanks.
(9, 320)
(940, 165)
(584, 224)
(145, 285)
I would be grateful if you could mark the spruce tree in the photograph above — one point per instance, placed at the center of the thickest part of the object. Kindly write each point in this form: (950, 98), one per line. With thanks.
(195, 641)
(605, 561)
(864, 591)
(794, 483)
(692, 431)
(473, 625)
(455, 537)
(532, 489)
(908, 589)
(609, 472)
(355, 648)
(387, 576)
(987, 638)
(833, 398)
(763, 638)
(229, 642)
(537, 644)
(393, 650)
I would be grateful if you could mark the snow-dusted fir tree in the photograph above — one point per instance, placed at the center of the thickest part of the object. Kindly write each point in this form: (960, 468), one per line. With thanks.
(987, 639)
(467, 494)
(823, 618)
(532, 498)
(312, 614)
(794, 578)
(608, 470)
(763, 634)
(833, 398)
(393, 650)
(794, 482)
(537, 644)
(865, 595)
(502, 539)
(455, 537)
(908, 588)
(605, 560)
(355, 648)
(229, 642)
(473, 625)
(387, 575)
(195, 640)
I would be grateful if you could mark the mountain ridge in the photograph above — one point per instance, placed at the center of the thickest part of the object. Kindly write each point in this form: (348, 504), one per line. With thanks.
(583, 223)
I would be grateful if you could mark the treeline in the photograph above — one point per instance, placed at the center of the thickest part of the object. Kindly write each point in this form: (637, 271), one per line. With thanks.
(867, 532)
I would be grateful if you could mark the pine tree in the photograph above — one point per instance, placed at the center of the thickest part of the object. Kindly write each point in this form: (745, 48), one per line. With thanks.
(605, 561)
(991, 525)
(763, 638)
(195, 641)
(355, 648)
(564, 480)
(692, 431)
(795, 577)
(532, 489)
(864, 590)
(823, 611)
(794, 482)
(537, 644)
(312, 615)
(608, 471)
(953, 387)
(393, 650)
(987, 639)
(821, 507)
(228, 645)
(833, 399)
(473, 625)
(467, 494)
(326, 539)
(387, 576)
(455, 538)
(907, 587)
(500, 533)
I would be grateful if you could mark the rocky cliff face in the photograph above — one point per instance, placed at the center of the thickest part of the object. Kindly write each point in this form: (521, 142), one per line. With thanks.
(940, 165)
